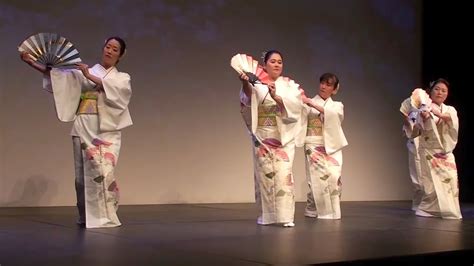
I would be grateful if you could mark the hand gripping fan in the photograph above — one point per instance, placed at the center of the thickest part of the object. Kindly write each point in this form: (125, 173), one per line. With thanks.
(245, 64)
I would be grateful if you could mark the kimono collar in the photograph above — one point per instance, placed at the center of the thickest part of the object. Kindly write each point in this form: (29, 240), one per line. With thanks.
(101, 72)
(317, 97)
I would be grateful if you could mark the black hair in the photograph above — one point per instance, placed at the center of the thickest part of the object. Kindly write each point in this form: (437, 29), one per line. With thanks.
(269, 53)
(329, 77)
(123, 46)
(440, 80)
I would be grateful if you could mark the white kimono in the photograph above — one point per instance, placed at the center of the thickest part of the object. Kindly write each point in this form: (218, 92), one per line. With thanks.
(99, 135)
(273, 134)
(438, 167)
(323, 140)
(413, 157)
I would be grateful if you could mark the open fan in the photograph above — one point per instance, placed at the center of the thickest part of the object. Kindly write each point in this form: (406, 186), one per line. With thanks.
(420, 99)
(51, 50)
(245, 64)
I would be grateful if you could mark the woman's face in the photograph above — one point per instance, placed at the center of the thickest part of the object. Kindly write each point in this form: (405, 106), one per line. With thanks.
(439, 93)
(274, 66)
(327, 88)
(111, 53)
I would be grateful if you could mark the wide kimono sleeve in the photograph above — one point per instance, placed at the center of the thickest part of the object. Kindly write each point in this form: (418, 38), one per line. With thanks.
(446, 132)
(244, 99)
(292, 103)
(246, 110)
(113, 102)
(409, 128)
(66, 86)
(334, 138)
(289, 123)
(450, 130)
(303, 125)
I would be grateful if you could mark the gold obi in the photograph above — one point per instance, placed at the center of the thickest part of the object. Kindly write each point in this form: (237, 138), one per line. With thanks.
(315, 126)
(267, 115)
(88, 104)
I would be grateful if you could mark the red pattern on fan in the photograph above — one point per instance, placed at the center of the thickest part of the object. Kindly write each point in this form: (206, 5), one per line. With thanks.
(262, 75)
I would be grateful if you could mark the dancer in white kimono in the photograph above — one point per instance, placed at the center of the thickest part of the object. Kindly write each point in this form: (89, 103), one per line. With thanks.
(438, 134)
(272, 112)
(414, 167)
(323, 139)
(96, 99)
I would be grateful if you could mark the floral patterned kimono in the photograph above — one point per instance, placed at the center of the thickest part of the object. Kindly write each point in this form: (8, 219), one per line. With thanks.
(98, 114)
(438, 167)
(413, 158)
(273, 132)
(323, 140)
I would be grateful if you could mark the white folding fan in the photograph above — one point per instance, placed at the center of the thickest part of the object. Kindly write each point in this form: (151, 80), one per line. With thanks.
(50, 50)
(245, 64)
(420, 99)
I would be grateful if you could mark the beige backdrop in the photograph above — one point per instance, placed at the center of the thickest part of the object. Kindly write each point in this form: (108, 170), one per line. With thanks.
(188, 143)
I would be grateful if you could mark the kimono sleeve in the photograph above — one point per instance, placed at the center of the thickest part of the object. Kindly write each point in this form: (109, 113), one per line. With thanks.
(450, 130)
(66, 86)
(303, 126)
(113, 102)
(244, 99)
(334, 112)
(334, 138)
(293, 104)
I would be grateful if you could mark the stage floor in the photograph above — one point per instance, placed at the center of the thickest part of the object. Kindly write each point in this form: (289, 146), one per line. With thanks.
(227, 234)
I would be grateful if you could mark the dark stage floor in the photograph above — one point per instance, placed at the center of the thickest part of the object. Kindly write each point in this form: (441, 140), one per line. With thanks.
(372, 233)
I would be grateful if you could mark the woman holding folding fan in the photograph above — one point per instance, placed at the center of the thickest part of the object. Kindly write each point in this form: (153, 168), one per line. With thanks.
(274, 107)
(96, 99)
(437, 127)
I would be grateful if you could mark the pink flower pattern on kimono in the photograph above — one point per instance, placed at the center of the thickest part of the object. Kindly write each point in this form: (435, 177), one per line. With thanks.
(113, 188)
(268, 152)
(98, 142)
(440, 160)
(319, 153)
(272, 147)
(326, 169)
(110, 157)
(91, 153)
(100, 156)
(272, 143)
(440, 155)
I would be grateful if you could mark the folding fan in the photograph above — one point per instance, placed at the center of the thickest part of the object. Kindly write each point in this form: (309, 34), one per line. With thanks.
(245, 64)
(420, 99)
(51, 50)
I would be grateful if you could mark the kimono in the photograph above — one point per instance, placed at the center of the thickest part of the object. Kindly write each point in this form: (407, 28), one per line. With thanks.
(273, 136)
(98, 115)
(438, 166)
(323, 140)
(414, 167)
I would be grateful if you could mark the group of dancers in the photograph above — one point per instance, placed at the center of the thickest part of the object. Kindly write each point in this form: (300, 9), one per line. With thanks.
(279, 117)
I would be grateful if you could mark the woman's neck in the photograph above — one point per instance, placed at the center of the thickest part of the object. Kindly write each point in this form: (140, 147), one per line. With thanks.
(325, 99)
(273, 79)
(106, 66)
